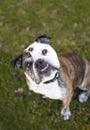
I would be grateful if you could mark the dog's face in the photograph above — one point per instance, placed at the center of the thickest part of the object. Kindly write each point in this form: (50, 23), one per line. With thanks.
(40, 59)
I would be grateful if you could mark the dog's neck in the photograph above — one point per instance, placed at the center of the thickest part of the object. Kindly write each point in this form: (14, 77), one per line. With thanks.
(56, 76)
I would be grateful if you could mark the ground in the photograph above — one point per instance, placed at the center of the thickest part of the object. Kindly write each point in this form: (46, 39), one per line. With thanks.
(21, 21)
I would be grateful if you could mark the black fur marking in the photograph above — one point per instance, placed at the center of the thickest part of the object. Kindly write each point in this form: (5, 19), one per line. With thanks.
(18, 61)
(43, 39)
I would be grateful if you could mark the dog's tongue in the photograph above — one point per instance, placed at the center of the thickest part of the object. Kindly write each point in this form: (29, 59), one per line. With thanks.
(44, 69)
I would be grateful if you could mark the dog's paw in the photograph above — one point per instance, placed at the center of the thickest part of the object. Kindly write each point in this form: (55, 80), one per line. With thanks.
(83, 97)
(65, 113)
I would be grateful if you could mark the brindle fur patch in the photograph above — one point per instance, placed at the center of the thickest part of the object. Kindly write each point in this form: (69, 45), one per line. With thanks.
(74, 67)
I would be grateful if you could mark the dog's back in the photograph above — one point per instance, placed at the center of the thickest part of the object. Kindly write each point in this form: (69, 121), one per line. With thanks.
(74, 67)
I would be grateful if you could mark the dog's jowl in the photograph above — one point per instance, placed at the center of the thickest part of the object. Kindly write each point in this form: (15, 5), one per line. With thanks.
(54, 76)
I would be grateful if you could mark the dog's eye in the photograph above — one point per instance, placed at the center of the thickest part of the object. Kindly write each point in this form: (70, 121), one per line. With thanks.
(30, 49)
(44, 52)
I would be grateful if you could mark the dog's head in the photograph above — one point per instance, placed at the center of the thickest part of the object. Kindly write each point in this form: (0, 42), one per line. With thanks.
(39, 60)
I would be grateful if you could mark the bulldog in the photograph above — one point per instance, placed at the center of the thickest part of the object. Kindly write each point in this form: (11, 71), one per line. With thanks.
(54, 76)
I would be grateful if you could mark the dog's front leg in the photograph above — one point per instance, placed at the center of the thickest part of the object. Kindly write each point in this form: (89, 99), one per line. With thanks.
(65, 111)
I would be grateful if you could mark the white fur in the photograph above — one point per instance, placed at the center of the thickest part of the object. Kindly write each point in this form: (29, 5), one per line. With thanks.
(83, 85)
(65, 113)
(83, 97)
(50, 57)
(51, 90)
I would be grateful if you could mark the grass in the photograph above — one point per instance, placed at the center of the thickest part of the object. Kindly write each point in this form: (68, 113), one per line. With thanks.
(21, 21)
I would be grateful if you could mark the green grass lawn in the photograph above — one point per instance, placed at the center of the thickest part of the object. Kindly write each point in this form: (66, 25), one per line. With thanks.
(21, 21)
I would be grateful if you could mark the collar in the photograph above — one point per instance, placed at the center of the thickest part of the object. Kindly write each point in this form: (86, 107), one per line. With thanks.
(57, 75)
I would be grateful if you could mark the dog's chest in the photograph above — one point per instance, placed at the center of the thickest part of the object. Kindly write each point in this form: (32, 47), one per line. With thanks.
(50, 90)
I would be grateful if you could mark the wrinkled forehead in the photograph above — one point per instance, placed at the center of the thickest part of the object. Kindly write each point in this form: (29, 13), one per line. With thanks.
(36, 48)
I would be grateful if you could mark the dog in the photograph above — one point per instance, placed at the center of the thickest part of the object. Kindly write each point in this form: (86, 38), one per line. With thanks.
(54, 76)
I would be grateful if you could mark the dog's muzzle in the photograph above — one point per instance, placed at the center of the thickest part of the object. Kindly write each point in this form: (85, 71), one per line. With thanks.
(41, 65)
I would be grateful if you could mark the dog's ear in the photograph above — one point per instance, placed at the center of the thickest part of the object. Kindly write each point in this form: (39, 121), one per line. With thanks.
(43, 39)
(18, 61)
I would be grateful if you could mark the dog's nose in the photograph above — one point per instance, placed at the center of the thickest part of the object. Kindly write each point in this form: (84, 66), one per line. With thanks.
(39, 63)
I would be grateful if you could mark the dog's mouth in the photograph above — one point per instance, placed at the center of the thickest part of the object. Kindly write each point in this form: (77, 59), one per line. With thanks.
(45, 68)
(42, 66)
